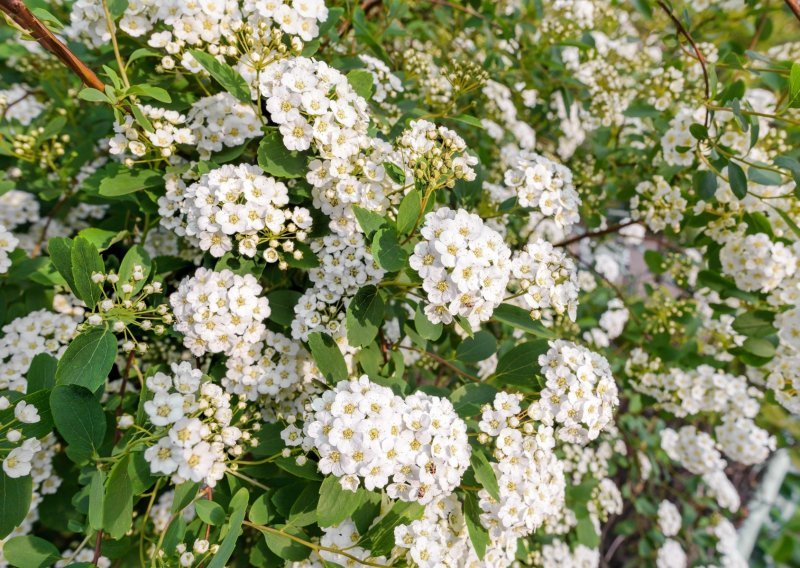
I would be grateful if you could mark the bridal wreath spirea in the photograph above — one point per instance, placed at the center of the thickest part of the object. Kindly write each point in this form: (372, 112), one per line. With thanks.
(413, 284)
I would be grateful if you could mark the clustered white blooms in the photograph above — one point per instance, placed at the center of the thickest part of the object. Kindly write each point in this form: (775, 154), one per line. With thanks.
(277, 370)
(756, 263)
(658, 204)
(415, 447)
(440, 538)
(558, 554)
(237, 204)
(579, 395)
(19, 103)
(671, 555)
(8, 242)
(548, 278)
(168, 130)
(195, 417)
(611, 324)
(693, 449)
(362, 180)
(219, 312)
(742, 441)
(529, 475)
(545, 185)
(502, 107)
(435, 154)
(345, 266)
(220, 121)
(314, 103)
(41, 331)
(341, 537)
(464, 266)
(669, 518)
(387, 84)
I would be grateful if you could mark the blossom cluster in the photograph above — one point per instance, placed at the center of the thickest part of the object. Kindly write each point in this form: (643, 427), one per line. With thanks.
(548, 279)
(415, 447)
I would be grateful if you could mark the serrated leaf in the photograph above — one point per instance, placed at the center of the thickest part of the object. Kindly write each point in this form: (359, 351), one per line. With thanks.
(364, 316)
(86, 261)
(88, 359)
(369, 221)
(336, 503)
(362, 82)
(80, 420)
(275, 159)
(387, 250)
(520, 366)
(136, 256)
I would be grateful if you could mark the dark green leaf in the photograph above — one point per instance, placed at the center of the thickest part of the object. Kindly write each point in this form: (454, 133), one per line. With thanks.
(426, 329)
(30, 552)
(737, 180)
(362, 82)
(369, 221)
(281, 305)
(480, 346)
(60, 250)
(327, 356)
(387, 250)
(136, 256)
(520, 365)
(88, 359)
(224, 74)
(85, 262)
(79, 419)
(209, 512)
(478, 535)
(130, 181)
(238, 507)
(409, 211)
(275, 159)
(15, 500)
(484, 473)
(336, 503)
(364, 316)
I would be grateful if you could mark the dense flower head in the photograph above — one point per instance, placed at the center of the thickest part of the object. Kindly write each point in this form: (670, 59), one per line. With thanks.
(658, 204)
(414, 447)
(548, 278)
(464, 266)
(546, 186)
(693, 449)
(219, 312)
(220, 121)
(579, 395)
(757, 263)
(239, 205)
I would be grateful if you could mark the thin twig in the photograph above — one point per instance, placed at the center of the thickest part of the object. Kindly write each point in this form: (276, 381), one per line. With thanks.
(696, 49)
(19, 13)
(97, 542)
(794, 6)
(593, 234)
(441, 361)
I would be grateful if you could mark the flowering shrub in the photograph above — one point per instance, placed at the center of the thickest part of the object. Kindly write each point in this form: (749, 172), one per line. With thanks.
(317, 283)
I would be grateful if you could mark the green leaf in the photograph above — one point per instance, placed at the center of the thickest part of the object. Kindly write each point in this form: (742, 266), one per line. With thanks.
(88, 359)
(336, 503)
(184, 494)
(387, 250)
(364, 316)
(759, 347)
(79, 419)
(262, 511)
(15, 500)
(362, 82)
(281, 305)
(136, 256)
(409, 211)
(223, 74)
(480, 346)
(128, 181)
(275, 159)
(788, 220)
(238, 507)
(60, 250)
(521, 319)
(478, 535)
(117, 7)
(794, 85)
(369, 221)
(705, 184)
(285, 547)
(86, 261)
(327, 356)
(118, 505)
(468, 399)
(209, 512)
(469, 119)
(304, 509)
(97, 495)
(484, 473)
(380, 536)
(520, 366)
(737, 180)
(699, 131)
(152, 92)
(94, 96)
(426, 329)
(42, 372)
(30, 552)
(101, 238)
(755, 324)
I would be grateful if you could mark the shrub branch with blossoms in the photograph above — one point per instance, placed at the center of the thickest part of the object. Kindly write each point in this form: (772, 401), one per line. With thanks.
(318, 283)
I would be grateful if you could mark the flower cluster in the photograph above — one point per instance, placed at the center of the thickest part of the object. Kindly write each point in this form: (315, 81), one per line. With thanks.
(658, 204)
(238, 204)
(757, 263)
(436, 155)
(545, 185)
(464, 266)
(314, 103)
(669, 518)
(195, 417)
(219, 312)
(8, 242)
(548, 279)
(346, 264)
(415, 447)
(220, 121)
(530, 477)
(168, 129)
(579, 395)
(41, 331)
(693, 449)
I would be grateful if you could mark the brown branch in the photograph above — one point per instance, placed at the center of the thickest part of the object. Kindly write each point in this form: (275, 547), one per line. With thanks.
(591, 235)
(97, 542)
(696, 49)
(794, 6)
(19, 13)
